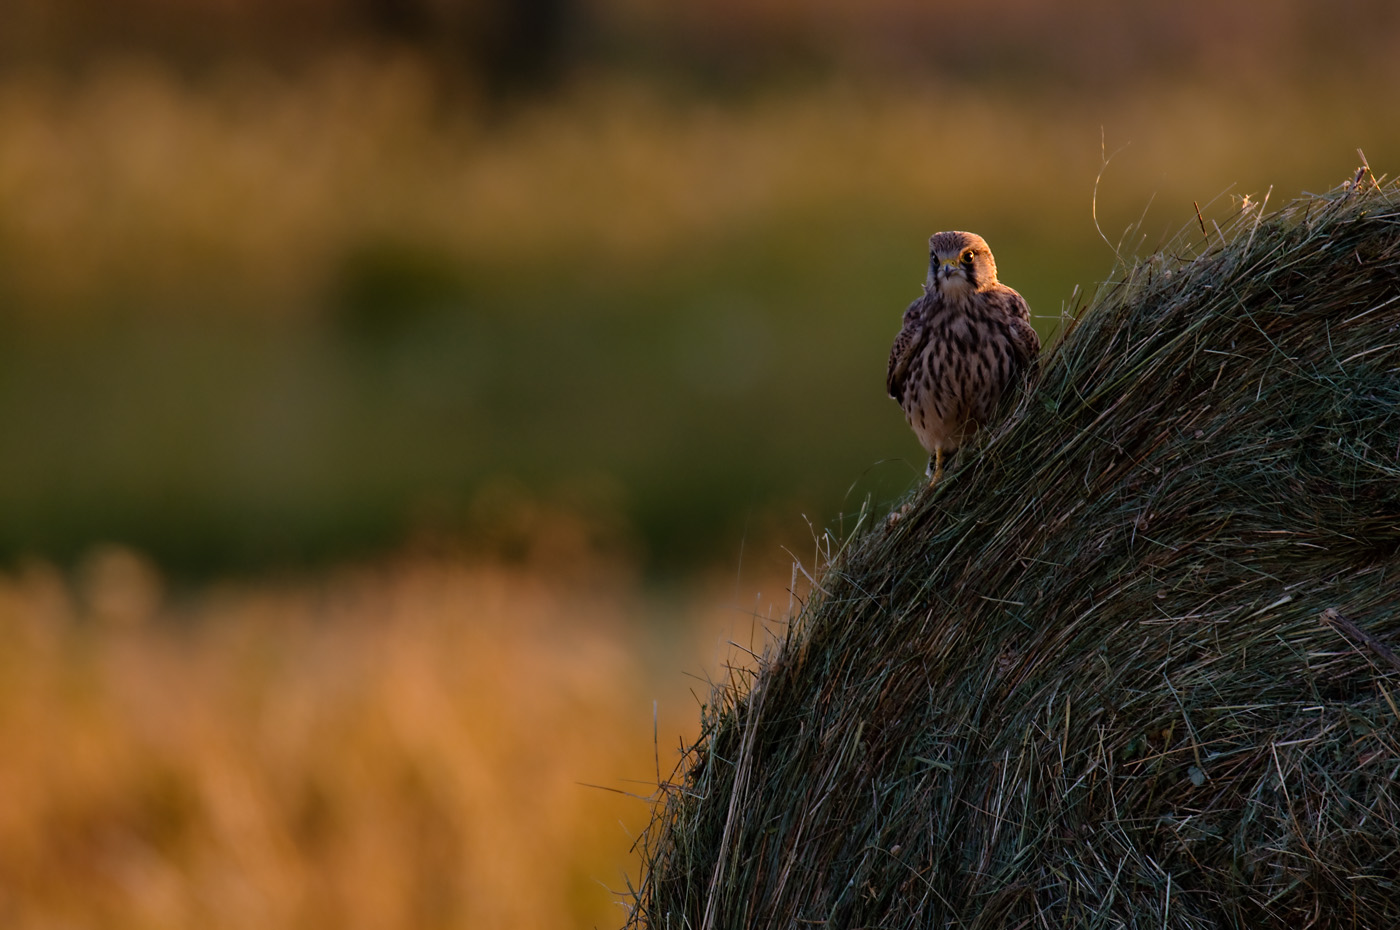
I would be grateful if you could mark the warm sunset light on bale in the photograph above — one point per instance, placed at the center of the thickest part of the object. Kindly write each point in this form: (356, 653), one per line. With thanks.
(1131, 663)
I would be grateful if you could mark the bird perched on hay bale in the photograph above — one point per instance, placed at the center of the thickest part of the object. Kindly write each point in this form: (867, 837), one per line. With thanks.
(1137, 668)
(963, 342)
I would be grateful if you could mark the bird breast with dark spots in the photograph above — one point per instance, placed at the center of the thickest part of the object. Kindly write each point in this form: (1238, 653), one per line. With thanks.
(966, 363)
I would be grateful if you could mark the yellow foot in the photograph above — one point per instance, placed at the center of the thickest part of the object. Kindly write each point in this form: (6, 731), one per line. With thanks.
(937, 467)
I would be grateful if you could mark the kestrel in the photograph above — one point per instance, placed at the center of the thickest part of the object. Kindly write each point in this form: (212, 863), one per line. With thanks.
(962, 344)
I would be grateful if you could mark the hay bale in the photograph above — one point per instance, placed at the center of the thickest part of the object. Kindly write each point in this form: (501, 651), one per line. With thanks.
(1090, 680)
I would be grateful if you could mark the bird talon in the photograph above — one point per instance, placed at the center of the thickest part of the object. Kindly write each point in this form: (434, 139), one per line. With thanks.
(937, 471)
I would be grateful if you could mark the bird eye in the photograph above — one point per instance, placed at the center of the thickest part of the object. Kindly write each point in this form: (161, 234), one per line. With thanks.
(967, 256)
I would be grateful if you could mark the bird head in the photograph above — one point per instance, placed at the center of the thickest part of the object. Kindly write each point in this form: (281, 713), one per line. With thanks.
(959, 263)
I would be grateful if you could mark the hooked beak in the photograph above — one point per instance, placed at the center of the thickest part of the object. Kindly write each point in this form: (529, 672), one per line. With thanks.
(941, 270)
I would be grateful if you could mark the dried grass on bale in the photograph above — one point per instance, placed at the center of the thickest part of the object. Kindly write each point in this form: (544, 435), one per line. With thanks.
(1087, 681)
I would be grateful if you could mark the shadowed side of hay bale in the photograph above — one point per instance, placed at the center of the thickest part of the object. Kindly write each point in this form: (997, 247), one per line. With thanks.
(1087, 681)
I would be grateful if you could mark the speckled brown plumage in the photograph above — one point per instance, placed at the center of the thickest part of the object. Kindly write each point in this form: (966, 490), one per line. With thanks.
(962, 344)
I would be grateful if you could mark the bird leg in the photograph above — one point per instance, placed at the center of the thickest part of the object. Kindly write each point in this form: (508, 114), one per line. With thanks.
(935, 468)
(937, 464)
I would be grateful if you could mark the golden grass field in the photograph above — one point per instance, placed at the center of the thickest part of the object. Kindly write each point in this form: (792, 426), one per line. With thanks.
(408, 744)
(132, 182)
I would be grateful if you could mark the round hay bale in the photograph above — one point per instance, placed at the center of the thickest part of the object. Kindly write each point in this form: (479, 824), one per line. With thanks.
(1127, 665)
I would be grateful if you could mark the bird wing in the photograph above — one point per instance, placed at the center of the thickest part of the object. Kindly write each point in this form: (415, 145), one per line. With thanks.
(903, 352)
(1025, 341)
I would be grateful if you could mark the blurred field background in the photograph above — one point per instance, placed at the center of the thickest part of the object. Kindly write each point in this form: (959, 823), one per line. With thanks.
(397, 398)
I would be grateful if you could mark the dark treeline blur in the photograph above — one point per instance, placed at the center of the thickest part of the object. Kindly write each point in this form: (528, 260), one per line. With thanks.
(288, 281)
(513, 45)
